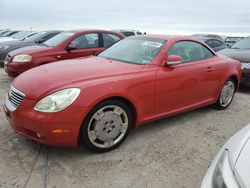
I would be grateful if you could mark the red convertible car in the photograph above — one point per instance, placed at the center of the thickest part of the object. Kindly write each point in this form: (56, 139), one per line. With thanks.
(97, 100)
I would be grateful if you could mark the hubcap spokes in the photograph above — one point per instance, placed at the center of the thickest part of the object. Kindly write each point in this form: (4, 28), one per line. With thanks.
(227, 93)
(108, 126)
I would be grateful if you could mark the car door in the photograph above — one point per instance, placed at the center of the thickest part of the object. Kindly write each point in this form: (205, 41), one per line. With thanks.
(85, 45)
(187, 84)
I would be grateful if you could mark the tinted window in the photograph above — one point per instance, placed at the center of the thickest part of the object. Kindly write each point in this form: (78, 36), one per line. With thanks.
(109, 39)
(217, 43)
(190, 51)
(90, 40)
(128, 33)
(210, 43)
(34, 37)
(134, 50)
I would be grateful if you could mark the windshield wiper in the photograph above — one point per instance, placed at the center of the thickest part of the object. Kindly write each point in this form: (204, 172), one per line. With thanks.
(235, 48)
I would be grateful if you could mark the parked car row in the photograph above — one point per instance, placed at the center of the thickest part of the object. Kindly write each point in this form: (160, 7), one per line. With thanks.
(35, 38)
(217, 42)
(66, 45)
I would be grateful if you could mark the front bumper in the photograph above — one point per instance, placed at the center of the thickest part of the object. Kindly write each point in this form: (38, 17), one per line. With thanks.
(57, 129)
(14, 69)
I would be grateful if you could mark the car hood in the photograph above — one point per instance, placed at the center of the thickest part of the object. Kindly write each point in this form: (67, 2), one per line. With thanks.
(238, 147)
(3, 39)
(29, 50)
(238, 54)
(242, 166)
(39, 82)
(16, 43)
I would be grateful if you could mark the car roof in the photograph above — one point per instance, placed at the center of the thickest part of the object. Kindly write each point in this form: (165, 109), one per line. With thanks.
(234, 37)
(89, 30)
(125, 30)
(209, 38)
(79, 31)
(170, 37)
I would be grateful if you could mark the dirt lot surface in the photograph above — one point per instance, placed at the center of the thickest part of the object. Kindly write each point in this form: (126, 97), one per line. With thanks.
(173, 152)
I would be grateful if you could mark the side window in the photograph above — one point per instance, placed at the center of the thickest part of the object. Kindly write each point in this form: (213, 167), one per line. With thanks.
(90, 40)
(210, 43)
(109, 39)
(190, 51)
(217, 43)
(207, 53)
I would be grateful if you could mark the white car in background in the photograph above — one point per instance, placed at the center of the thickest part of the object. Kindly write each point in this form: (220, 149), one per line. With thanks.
(17, 36)
(128, 33)
(231, 166)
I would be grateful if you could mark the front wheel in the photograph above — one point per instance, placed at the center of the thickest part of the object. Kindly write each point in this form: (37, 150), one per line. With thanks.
(226, 94)
(106, 126)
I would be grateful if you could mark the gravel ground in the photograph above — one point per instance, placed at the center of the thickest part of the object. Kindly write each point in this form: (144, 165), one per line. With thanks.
(172, 152)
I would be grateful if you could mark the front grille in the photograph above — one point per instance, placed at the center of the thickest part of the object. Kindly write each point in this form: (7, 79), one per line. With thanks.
(245, 65)
(15, 97)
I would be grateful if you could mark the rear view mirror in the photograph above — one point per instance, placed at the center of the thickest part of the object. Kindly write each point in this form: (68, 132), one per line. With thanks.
(71, 47)
(173, 60)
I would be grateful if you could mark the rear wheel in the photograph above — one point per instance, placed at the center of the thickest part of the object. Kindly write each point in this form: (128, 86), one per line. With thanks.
(106, 126)
(226, 94)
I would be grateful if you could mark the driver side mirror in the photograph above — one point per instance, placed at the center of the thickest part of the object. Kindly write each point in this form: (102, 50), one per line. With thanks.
(71, 47)
(173, 60)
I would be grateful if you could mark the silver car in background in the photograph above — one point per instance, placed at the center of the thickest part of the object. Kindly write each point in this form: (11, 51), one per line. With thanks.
(231, 166)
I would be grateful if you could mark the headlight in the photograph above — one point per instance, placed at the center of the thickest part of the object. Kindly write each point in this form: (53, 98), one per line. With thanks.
(58, 101)
(22, 58)
(4, 48)
(223, 176)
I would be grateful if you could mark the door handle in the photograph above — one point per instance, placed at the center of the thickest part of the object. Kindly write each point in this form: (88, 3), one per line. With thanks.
(209, 69)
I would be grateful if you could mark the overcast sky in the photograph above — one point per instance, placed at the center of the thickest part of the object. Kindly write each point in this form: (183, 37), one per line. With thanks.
(153, 16)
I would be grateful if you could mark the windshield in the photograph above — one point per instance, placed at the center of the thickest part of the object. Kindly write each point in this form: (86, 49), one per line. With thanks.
(58, 39)
(35, 37)
(233, 39)
(135, 50)
(20, 35)
(7, 34)
(243, 44)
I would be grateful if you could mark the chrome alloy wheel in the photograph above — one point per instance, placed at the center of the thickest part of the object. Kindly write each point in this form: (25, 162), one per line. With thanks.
(227, 93)
(108, 126)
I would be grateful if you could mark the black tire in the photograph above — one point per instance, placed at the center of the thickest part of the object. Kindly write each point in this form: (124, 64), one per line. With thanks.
(84, 134)
(218, 105)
